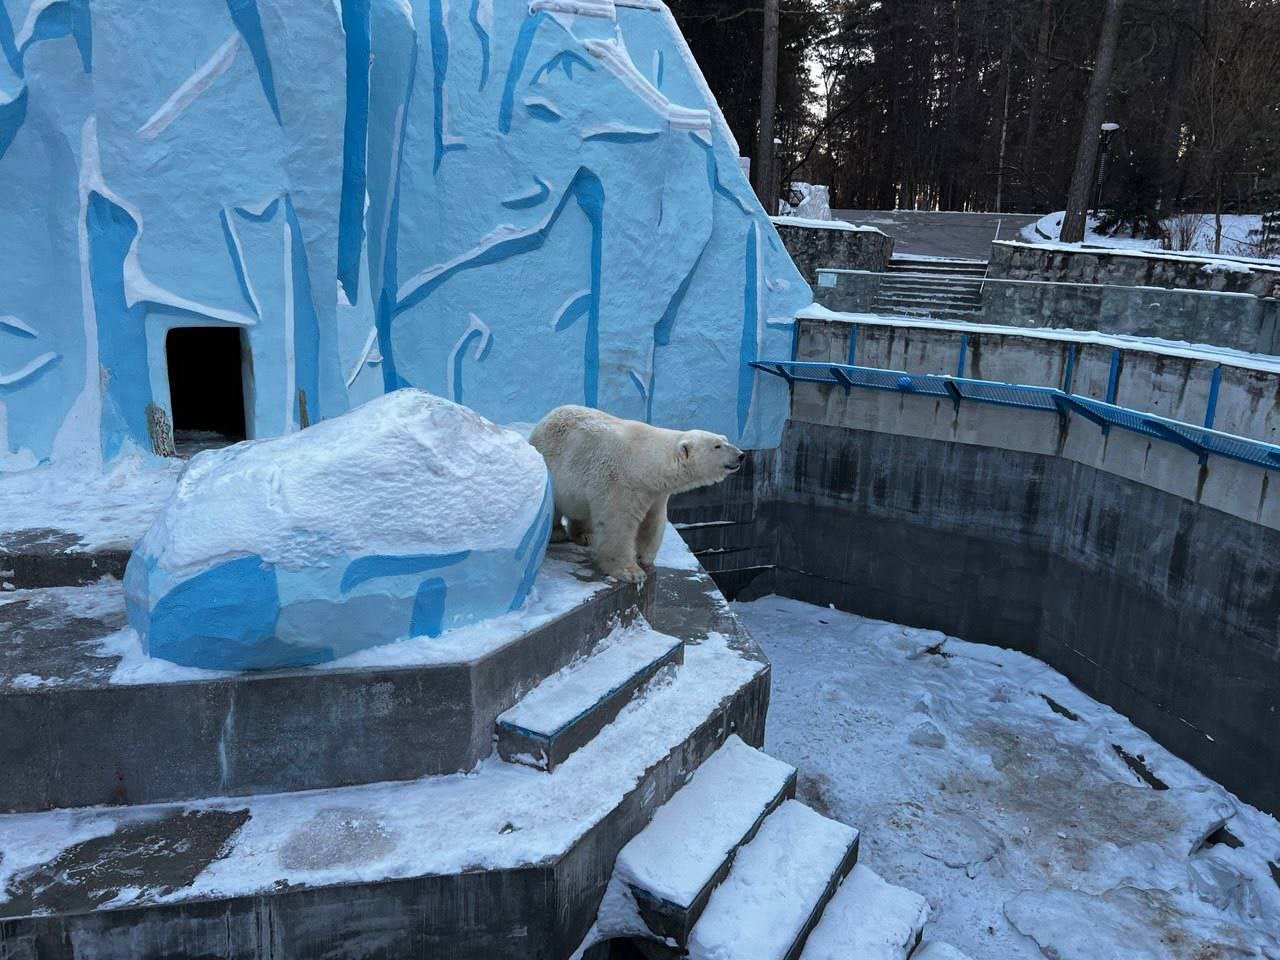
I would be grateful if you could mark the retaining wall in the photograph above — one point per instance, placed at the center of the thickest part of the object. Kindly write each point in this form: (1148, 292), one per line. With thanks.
(814, 244)
(1134, 268)
(1147, 578)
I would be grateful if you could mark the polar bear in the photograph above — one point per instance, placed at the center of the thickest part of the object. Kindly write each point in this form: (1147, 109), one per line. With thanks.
(611, 479)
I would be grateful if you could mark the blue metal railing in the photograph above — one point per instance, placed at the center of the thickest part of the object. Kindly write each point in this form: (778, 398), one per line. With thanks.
(1201, 441)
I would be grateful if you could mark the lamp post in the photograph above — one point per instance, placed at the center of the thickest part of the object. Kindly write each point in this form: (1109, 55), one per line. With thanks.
(1104, 145)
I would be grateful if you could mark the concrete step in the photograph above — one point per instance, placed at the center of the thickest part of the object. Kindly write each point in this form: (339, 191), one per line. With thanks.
(949, 267)
(565, 711)
(673, 865)
(955, 299)
(912, 282)
(502, 863)
(96, 721)
(777, 888)
(868, 919)
(930, 312)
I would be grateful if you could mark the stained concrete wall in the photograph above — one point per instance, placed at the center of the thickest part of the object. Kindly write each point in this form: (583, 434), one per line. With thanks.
(1134, 268)
(1166, 382)
(814, 245)
(1147, 579)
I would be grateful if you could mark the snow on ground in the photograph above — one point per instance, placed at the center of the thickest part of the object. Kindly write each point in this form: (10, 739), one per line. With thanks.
(1240, 234)
(107, 510)
(985, 781)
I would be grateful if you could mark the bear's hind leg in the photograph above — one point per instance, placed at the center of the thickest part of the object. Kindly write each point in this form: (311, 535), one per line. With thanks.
(649, 537)
(580, 532)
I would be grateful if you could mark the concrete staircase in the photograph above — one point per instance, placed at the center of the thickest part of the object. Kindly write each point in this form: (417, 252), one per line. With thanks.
(352, 813)
(941, 289)
(733, 866)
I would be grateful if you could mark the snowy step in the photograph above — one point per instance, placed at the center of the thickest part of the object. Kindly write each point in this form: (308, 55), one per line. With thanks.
(672, 866)
(566, 710)
(868, 919)
(777, 888)
(907, 297)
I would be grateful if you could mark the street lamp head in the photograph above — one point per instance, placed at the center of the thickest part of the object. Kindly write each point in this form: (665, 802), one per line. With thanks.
(1110, 127)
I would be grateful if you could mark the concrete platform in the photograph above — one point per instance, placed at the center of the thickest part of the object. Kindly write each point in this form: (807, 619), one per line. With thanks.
(504, 861)
(97, 722)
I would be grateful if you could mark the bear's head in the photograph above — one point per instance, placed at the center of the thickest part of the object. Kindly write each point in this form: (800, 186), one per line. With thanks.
(704, 458)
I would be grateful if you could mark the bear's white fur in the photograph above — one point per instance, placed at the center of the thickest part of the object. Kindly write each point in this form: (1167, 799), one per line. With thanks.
(611, 479)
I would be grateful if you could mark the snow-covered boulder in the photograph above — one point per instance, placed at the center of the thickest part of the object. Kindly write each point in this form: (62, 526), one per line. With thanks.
(404, 517)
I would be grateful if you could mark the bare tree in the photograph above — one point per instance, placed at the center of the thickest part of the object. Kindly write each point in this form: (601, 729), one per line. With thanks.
(1235, 90)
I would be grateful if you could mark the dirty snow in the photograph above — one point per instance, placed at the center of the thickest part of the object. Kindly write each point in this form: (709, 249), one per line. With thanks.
(1014, 816)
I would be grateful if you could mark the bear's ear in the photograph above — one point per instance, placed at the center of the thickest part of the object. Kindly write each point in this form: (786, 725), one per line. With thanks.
(684, 449)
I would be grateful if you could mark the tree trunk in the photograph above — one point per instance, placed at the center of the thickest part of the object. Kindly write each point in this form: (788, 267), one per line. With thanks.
(1073, 223)
(1171, 124)
(766, 189)
(1036, 91)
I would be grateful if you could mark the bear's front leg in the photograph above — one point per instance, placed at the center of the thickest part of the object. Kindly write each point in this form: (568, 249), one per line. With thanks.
(649, 537)
(613, 536)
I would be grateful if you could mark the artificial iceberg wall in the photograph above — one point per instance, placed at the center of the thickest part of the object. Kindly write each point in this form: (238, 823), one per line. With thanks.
(511, 204)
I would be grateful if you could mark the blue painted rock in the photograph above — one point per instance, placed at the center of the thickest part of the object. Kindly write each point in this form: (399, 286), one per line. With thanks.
(404, 517)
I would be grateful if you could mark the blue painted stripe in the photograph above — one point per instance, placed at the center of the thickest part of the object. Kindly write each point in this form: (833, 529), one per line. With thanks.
(525, 201)
(483, 36)
(356, 25)
(748, 346)
(439, 74)
(234, 253)
(458, 356)
(387, 306)
(623, 136)
(519, 58)
(427, 619)
(306, 323)
(1211, 409)
(1069, 374)
(566, 60)
(12, 115)
(964, 349)
(853, 343)
(529, 538)
(376, 566)
(7, 45)
(540, 111)
(578, 308)
(244, 13)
